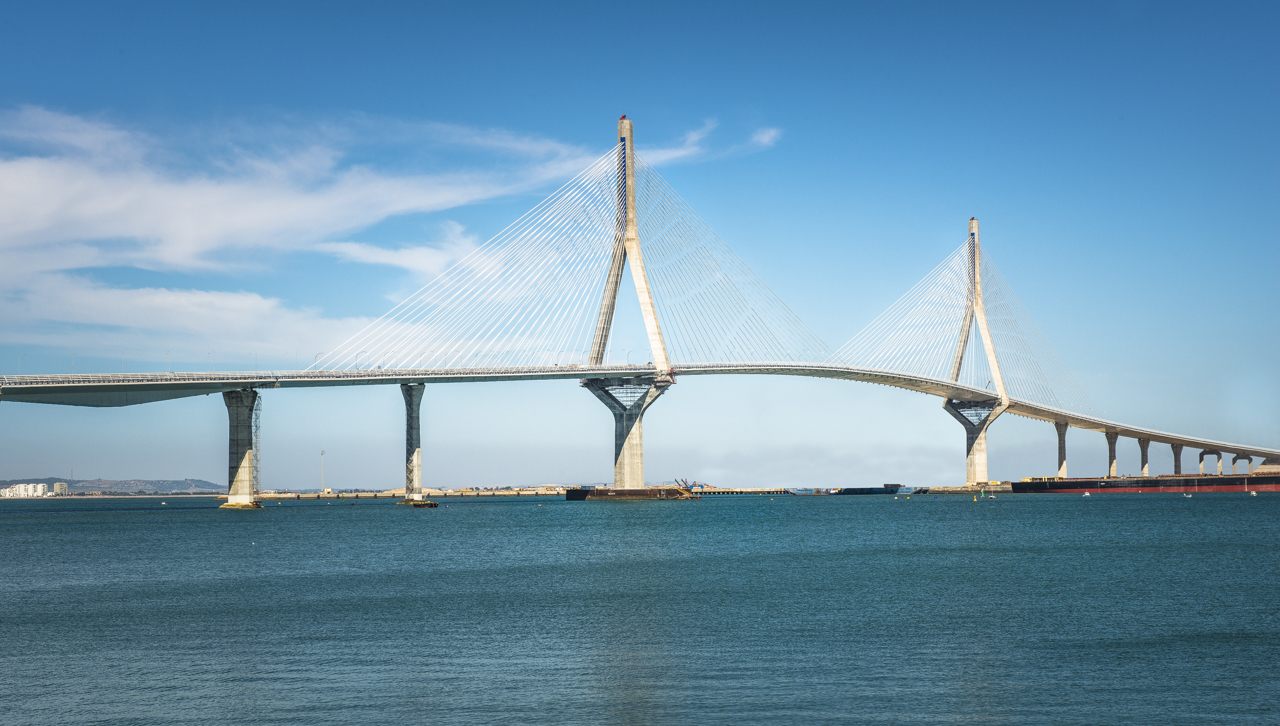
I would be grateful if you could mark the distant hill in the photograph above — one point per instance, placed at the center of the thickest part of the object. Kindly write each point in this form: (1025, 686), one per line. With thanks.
(150, 486)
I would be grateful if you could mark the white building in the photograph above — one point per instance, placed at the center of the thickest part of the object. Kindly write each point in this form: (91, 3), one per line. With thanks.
(27, 490)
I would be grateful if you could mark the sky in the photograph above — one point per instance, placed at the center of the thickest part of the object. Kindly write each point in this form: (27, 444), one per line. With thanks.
(241, 186)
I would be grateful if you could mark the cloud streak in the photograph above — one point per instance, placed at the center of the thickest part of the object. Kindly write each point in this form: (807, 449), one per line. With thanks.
(95, 182)
(427, 261)
(80, 193)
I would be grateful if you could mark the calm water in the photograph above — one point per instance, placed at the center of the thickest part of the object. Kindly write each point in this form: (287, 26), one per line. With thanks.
(1033, 609)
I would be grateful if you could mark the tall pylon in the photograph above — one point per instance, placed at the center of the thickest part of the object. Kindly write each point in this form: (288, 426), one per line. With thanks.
(976, 416)
(628, 398)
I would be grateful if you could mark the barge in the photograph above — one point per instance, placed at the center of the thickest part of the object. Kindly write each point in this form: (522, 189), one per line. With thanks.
(617, 494)
(882, 489)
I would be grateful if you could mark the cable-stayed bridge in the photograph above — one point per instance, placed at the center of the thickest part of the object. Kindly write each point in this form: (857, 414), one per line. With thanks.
(538, 302)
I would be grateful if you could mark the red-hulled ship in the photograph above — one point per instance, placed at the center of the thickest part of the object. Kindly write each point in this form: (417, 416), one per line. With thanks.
(1135, 485)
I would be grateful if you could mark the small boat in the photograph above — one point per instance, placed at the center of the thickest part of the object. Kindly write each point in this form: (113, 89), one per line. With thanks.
(1188, 496)
(1086, 494)
(1253, 494)
(991, 496)
(164, 503)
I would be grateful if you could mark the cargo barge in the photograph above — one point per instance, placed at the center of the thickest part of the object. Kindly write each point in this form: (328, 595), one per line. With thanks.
(1186, 483)
(883, 489)
(616, 494)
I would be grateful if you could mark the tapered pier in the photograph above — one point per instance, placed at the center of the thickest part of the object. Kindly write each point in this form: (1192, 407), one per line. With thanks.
(412, 393)
(240, 453)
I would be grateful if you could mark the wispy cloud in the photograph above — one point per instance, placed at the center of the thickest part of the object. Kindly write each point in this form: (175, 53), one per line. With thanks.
(691, 146)
(78, 181)
(766, 138)
(81, 193)
(66, 311)
(422, 260)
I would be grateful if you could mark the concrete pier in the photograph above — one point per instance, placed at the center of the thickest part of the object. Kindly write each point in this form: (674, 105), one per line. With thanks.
(975, 418)
(1241, 457)
(627, 399)
(1062, 427)
(1210, 452)
(1177, 459)
(1111, 452)
(412, 393)
(240, 448)
(1143, 446)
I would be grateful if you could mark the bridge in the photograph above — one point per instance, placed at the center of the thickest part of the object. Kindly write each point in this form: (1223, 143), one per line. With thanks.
(537, 302)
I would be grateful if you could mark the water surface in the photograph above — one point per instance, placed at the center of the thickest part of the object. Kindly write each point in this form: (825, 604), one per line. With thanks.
(1054, 609)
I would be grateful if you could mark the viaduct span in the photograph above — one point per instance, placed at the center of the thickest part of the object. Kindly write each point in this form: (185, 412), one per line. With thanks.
(537, 302)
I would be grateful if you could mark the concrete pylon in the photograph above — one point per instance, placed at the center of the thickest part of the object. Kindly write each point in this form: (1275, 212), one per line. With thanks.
(1143, 445)
(977, 416)
(626, 248)
(1177, 459)
(412, 393)
(628, 398)
(1062, 427)
(1241, 457)
(240, 448)
(1112, 437)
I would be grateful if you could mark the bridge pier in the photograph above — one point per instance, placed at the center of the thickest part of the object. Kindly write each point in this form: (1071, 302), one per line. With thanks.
(1210, 452)
(1112, 436)
(1177, 459)
(627, 399)
(976, 417)
(1143, 445)
(240, 452)
(1062, 427)
(1240, 457)
(412, 393)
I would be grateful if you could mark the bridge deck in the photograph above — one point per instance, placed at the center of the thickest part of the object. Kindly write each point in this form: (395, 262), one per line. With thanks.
(126, 389)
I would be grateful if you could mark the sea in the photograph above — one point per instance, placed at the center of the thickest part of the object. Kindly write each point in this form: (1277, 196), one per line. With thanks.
(1022, 609)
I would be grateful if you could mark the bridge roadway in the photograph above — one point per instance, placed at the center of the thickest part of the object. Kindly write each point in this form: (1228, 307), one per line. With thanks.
(127, 389)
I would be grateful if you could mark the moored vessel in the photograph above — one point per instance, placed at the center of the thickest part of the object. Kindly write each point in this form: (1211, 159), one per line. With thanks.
(1184, 483)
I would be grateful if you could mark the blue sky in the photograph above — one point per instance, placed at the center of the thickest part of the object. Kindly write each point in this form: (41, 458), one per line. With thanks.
(229, 185)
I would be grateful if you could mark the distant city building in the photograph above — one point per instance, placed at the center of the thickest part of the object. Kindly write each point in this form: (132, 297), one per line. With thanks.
(27, 490)
(60, 489)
